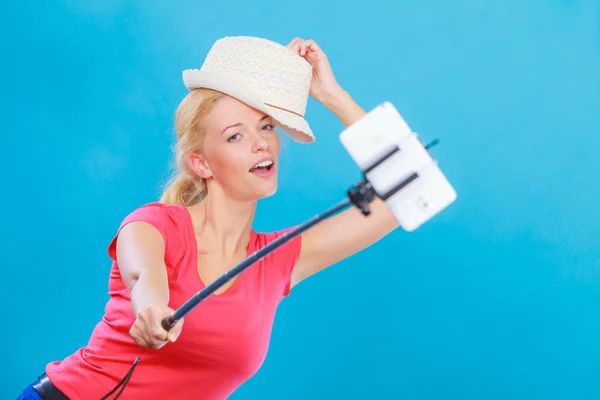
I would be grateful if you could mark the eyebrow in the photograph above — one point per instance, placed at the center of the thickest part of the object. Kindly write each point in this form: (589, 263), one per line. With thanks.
(239, 123)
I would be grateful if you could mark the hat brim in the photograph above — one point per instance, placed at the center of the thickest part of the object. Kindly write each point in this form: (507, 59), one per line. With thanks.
(292, 124)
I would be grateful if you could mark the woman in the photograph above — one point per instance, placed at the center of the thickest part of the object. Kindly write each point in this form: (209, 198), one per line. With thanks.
(165, 252)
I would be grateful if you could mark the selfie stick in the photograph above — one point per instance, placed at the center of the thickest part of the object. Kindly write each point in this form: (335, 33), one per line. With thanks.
(359, 195)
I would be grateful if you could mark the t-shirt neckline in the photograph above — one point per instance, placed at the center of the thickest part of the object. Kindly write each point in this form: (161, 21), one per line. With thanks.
(198, 279)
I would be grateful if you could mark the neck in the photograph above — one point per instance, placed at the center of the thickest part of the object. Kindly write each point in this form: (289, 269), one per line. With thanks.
(222, 224)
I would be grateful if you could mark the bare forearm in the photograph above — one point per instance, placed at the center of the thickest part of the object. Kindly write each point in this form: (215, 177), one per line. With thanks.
(150, 288)
(341, 104)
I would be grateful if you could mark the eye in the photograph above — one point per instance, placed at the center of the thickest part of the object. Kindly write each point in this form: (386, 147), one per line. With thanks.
(268, 127)
(233, 137)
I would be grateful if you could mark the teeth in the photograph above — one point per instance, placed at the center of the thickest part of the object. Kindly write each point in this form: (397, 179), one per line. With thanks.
(264, 164)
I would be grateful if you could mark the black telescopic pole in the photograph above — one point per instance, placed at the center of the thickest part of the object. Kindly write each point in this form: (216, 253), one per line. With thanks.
(359, 195)
(171, 320)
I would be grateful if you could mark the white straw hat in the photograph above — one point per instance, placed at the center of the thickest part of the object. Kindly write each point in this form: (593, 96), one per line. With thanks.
(263, 74)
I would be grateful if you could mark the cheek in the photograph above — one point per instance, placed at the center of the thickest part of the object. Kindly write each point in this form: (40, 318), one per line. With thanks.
(273, 141)
(229, 161)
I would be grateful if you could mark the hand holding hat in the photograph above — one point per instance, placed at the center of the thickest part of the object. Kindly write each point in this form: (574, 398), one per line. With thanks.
(324, 84)
(324, 87)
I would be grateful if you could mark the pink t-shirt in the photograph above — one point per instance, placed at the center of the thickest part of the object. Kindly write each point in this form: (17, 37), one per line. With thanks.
(224, 339)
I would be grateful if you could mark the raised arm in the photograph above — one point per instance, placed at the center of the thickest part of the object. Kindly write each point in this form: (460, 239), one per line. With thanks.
(140, 254)
(350, 231)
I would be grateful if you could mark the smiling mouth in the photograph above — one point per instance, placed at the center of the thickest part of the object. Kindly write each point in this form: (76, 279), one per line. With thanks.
(263, 166)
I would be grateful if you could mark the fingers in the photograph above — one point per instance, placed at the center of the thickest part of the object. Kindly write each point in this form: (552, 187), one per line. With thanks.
(147, 330)
(307, 45)
(175, 331)
(293, 45)
(147, 334)
(304, 47)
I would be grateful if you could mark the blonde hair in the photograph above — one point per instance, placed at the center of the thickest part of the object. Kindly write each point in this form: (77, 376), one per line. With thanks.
(185, 187)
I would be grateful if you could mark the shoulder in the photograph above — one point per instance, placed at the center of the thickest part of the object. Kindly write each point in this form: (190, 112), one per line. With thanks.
(268, 237)
(290, 243)
(170, 220)
(167, 218)
(157, 211)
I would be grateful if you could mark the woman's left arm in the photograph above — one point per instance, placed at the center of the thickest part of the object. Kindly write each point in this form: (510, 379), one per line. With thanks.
(350, 231)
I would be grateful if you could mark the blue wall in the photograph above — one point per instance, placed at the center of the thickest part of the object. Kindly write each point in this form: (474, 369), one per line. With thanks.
(496, 298)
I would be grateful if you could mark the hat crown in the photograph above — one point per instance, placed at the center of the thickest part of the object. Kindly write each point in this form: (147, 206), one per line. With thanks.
(277, 75)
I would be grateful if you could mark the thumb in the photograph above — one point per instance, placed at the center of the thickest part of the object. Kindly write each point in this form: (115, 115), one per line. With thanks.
(175, 331)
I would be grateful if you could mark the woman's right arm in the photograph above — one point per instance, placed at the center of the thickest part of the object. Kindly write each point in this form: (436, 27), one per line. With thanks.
(140, 253)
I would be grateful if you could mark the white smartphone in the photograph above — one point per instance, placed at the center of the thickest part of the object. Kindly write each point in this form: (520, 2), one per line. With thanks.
(398, 166)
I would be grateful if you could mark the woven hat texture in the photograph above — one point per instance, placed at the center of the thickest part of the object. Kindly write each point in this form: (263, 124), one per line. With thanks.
(263, 74)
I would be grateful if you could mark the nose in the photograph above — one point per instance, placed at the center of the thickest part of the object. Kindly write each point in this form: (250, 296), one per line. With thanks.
(260, 143)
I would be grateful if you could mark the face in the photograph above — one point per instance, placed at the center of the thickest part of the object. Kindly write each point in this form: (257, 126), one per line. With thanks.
(240, 151)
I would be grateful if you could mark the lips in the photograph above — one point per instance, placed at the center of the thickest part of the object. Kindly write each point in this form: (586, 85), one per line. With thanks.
(264, 168)
(264, 165)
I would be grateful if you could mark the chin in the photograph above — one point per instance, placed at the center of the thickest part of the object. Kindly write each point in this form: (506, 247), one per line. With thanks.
(268, 192)
(258, 192)
(264, 187)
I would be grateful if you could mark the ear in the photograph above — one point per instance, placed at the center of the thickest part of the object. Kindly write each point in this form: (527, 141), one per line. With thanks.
(198, 164)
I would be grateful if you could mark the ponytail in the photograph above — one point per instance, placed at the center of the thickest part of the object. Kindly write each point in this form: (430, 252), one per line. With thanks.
(185, 188)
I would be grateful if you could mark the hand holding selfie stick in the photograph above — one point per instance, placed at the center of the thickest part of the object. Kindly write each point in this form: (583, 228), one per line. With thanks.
(388, 171)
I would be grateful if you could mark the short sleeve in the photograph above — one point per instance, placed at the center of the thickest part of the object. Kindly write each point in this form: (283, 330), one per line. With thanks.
(281, 262)
(160, 216)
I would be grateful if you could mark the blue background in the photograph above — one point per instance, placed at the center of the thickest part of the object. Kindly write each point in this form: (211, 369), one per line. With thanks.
(498, 297)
